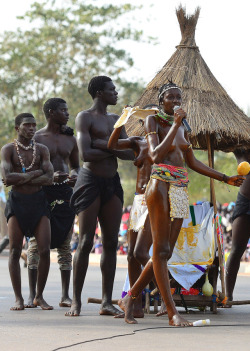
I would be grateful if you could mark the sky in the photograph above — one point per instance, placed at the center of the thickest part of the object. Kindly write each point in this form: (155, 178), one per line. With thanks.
(222, 35)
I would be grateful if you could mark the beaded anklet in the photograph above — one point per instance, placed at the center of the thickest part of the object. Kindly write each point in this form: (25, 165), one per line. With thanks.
(132, 296)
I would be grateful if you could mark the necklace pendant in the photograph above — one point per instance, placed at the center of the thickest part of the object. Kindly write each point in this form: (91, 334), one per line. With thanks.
(23, 170)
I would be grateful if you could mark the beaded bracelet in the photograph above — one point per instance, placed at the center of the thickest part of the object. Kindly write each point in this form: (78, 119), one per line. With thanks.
(224, 179)
(63, 182)
(149, 134)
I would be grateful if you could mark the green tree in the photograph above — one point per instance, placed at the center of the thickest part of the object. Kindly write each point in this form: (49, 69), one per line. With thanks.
(63, 49)
(199, 186)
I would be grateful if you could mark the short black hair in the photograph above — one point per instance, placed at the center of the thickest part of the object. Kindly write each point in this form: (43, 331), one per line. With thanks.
(19, 118)
(52, 104)
(97, 83)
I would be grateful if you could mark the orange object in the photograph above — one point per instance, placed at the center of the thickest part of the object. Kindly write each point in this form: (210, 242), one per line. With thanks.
(243, 168)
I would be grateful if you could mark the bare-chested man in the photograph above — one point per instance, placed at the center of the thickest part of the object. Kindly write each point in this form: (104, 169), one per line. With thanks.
(98, 192)
(62, 146)
(241, 225)
(26, 166)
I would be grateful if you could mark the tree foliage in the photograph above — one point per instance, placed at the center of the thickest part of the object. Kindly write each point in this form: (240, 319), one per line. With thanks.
(62, 50)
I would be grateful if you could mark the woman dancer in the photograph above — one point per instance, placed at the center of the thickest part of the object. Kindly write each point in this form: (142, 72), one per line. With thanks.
(167, 196)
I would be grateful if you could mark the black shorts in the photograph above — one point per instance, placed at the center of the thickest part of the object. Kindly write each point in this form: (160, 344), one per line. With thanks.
(89, 186)
(62, 216)
(242, 206)
(28, 209)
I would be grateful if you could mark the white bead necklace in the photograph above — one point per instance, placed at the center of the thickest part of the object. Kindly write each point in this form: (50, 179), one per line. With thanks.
(31, 146)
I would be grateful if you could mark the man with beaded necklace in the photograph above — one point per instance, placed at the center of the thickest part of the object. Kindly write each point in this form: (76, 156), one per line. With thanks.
(60, 141)
(26, 166)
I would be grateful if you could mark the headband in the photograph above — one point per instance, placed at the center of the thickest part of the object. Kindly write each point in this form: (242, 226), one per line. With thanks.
(168, 88)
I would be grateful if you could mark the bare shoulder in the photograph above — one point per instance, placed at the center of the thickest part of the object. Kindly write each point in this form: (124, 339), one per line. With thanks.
(41, 131)
(83, 118)
(42, 148)
(150, 120)
(84, 114)
(113, 116)
(7, 148)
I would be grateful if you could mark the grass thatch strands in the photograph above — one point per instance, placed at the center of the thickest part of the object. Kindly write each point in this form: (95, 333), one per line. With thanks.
(209, 108)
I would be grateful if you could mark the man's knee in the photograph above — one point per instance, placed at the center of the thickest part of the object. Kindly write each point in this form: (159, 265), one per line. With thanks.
(15, 253)
(237, 252)
(110, 244)
(85, 245)
(44, 252)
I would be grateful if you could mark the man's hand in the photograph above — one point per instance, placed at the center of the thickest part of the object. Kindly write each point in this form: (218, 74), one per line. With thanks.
(59, 176)
(236, 180)
(72, 180)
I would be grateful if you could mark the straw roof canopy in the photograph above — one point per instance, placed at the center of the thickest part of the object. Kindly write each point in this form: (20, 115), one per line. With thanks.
(210, 110)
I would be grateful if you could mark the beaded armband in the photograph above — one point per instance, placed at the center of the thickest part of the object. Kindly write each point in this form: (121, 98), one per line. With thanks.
(149, 134)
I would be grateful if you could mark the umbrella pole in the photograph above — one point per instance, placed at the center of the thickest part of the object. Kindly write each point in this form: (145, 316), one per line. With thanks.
(213, 200)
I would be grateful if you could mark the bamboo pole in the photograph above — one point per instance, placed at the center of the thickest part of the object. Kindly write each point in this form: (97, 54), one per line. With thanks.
(213, 200)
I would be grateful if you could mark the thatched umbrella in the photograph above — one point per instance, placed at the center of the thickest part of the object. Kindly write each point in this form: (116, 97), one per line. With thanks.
(211, 112)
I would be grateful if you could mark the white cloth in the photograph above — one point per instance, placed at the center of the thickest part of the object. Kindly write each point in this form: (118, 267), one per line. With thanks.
(138, 213)
(195, 245)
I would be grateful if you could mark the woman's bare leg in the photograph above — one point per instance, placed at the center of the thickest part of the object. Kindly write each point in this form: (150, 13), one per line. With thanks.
(127, 303)
(164, 240)
(141, 254)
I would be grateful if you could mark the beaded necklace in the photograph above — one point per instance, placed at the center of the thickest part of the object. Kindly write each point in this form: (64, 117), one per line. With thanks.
(32, 146)
(166, 118)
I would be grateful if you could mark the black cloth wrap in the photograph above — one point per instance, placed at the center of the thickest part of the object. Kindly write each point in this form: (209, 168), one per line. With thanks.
(28, 209)
(89, 186)
(242, 206)
(62, 216)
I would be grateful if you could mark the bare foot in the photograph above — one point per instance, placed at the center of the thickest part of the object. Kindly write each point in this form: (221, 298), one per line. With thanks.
(74, 310)
(163, 310)
(138, 310)
(127, 305)
(107, 309)
(65, 302)
(30, 303)
(138, 313)
(39, 301)
(178, 321)
(226, 305)
(19, 305)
